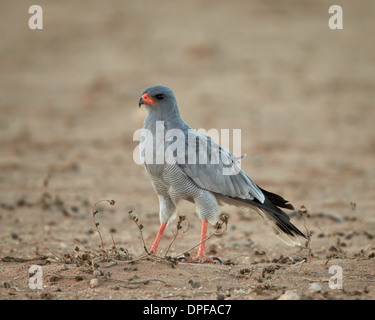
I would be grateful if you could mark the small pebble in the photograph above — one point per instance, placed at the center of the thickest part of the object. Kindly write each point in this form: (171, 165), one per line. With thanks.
(195, 285)
(15, 236)
(97, 273)
(63, 245)
(94, 283)
(315, 287)
(290, 295)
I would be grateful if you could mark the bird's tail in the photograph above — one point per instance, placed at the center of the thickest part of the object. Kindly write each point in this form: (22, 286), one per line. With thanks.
(286, 232)
(269, 210)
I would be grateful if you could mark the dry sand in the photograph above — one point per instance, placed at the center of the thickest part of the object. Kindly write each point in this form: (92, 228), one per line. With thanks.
(302, 94)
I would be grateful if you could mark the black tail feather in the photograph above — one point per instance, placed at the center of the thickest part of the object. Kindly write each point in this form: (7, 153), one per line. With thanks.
(277, 200)
(282, 219)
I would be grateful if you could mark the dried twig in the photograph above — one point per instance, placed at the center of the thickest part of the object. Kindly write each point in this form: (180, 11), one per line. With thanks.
(364, 251)
(140, 227)
(15, 259)
(218, 231)
(94, 212)
(93, 257)
(305, 212)
(178, 228)
(140, 282)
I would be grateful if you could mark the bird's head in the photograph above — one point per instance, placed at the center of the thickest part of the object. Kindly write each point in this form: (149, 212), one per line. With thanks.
(158, 97)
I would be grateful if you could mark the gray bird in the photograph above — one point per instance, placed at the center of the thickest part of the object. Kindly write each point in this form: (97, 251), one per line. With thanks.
(177, 174)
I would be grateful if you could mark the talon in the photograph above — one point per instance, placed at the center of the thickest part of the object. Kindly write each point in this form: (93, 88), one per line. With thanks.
(181, 258)
(217, 259)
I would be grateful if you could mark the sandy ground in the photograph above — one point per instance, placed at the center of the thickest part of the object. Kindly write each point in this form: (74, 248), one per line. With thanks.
(302, 94)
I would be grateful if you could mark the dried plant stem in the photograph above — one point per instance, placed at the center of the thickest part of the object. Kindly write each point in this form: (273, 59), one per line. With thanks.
(140, 227)
(218, 231)
(96, 224)
(369, 246)
(305, 212)
(178, 228)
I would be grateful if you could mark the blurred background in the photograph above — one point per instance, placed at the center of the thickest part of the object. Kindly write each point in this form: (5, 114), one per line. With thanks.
(302, 94)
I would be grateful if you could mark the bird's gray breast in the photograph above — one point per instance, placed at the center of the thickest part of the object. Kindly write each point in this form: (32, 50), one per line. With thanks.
(151, 149)
(174, 183)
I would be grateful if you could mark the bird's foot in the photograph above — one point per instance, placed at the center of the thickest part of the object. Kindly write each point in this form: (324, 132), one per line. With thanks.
(199, 259)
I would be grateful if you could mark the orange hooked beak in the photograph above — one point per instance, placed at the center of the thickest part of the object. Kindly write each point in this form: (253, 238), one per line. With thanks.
(146, 99)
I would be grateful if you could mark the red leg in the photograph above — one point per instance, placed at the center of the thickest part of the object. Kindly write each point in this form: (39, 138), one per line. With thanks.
(202, 246)
(201, 256)
(158, 238)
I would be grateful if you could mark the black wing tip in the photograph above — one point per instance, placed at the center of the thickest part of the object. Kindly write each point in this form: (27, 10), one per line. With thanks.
(277, 200)
(291, 229)
(288, 206)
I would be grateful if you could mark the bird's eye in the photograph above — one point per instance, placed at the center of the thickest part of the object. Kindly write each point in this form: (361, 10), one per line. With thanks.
(159, 96)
